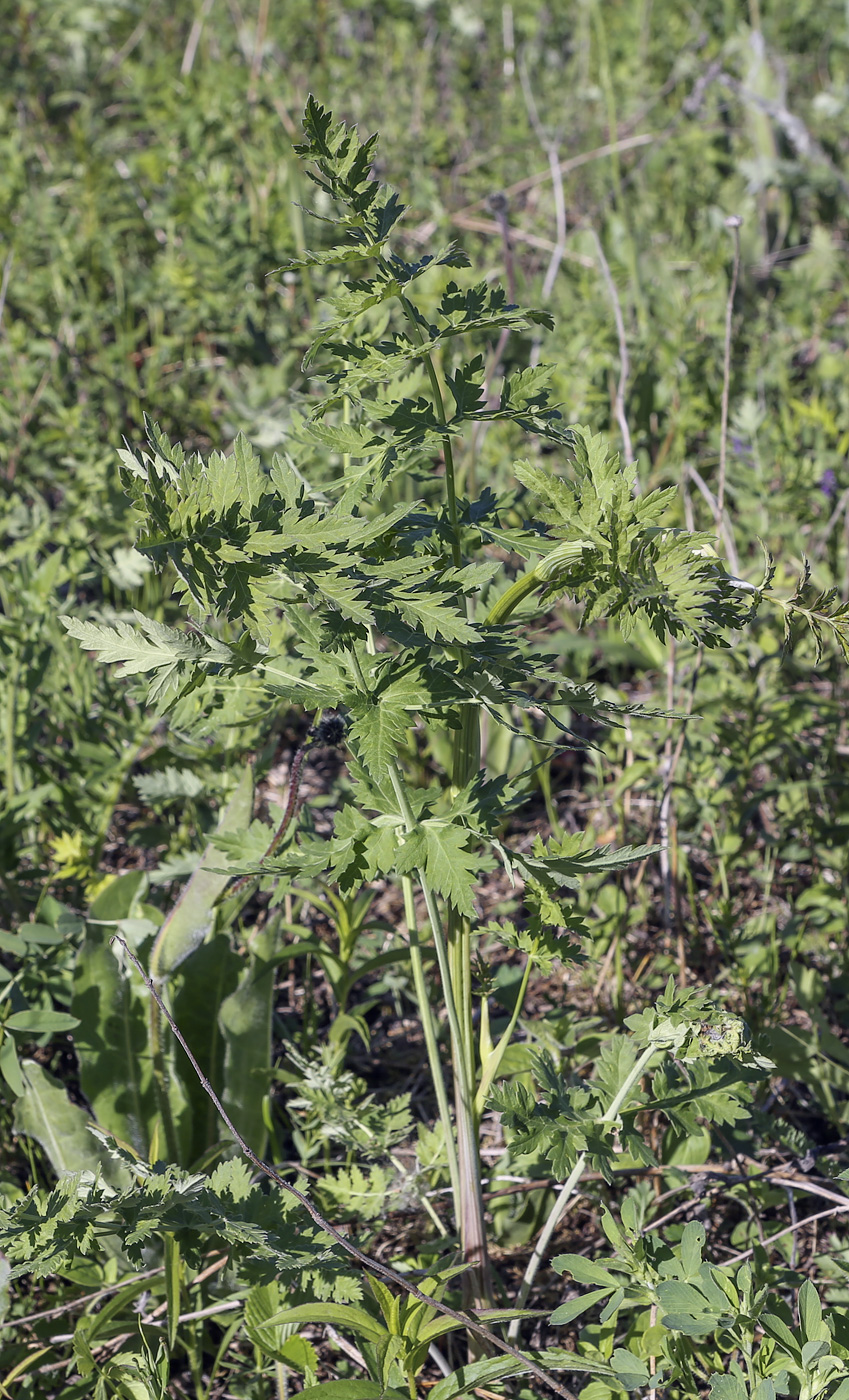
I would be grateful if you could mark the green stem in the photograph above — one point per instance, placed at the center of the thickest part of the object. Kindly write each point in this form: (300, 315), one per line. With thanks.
(160, 1067)
(281, 1379)
(470, 1188)
(514, 595)
(492, 1062)
(346, 419)
(570, 1185)
(447, 445)
(428, 1026)
(430, 1035)
(11, 727)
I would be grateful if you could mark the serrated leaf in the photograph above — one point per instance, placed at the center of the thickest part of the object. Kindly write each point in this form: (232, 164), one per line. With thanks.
(441, 850)
(436, 615)
(168, 785)
(375, 734)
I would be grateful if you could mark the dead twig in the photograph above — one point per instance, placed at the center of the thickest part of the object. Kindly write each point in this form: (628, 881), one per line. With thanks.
(49, 1314)
(789, 1230)
(259, 45)
(624, 358)
(426, 230)
(194, 38)
(734, 224)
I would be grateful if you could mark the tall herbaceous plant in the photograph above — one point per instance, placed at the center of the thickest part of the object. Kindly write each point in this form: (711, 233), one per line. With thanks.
(362, 576)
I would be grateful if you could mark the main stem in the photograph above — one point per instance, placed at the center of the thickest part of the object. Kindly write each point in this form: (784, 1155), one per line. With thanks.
(478, 1283)
(454, 954)
(447, 445)
(469, 1190)
(430, 1035)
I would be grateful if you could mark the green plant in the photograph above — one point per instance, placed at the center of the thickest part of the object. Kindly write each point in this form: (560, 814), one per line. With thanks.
(316, 594)
(686, 1318)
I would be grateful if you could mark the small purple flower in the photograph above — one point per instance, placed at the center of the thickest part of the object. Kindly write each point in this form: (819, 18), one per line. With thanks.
(828, 483)
(741, 448)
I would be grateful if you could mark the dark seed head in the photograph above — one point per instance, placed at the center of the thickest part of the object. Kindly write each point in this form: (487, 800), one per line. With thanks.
(331, 730)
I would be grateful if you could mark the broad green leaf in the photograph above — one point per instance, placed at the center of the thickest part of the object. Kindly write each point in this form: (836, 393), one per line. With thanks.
(568, 1311)
(765, 1390)
(198, 988)
(110, 1003)
(276, 1340)
(583, 1270)
(692, 1244)
(120, 899)
(342, 1315)
(36, 933)
(245, 1021)
(810, 1314)
(45, 1112)
(728, 1388)
(9, 1066)
(191, 917)
(491, 1369)
(38, 1022)
(686, 1149)
(631, 1371)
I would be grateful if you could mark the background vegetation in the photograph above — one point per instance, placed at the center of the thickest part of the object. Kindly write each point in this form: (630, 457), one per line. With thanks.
(586, 156)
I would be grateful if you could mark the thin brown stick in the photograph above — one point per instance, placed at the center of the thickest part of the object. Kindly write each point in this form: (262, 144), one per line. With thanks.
(789, 1230)
(724, 528)
(624, 358)
(364, 1260)
(551, 147)
(288, 813)
(518, 235)
(49, 1314)
(628, 143)
(194, 39)
(734, 224)
(259, 44)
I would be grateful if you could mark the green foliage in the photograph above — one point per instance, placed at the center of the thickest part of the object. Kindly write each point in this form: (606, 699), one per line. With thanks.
(44, 1235)
(700, 1079)
(620, 558)
(376, 553)
(706, 1314)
